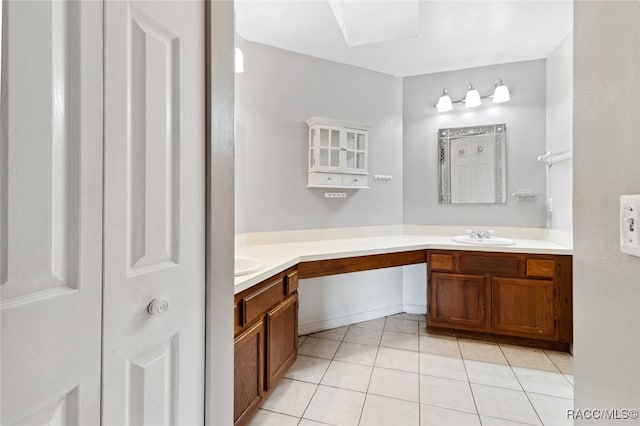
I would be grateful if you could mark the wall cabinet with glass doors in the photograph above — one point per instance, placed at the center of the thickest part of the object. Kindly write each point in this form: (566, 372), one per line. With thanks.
(337, 154)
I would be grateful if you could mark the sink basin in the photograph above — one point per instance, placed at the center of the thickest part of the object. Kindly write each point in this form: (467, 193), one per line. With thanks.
(246, 265)
(491, 241)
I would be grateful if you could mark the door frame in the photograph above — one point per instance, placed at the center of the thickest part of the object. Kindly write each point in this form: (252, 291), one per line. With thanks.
(219, 243)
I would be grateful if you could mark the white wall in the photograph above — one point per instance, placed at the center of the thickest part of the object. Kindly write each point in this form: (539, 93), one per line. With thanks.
(560, 133)
(606, 165)
(277, 92)
(525, 119)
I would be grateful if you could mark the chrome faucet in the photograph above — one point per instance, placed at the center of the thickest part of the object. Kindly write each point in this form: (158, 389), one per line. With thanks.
(480, 234)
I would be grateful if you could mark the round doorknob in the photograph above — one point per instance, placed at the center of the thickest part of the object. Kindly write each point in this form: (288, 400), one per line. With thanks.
(158, 307)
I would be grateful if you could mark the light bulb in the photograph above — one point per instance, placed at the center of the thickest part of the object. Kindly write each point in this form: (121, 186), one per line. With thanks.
(501, 93)
(472, 99)
(239, 61)
(444, 103)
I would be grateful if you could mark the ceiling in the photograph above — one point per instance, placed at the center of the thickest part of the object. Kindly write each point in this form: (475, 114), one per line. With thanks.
(451, 34)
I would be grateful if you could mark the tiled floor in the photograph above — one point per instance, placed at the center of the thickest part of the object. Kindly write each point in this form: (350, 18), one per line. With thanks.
(388, 371)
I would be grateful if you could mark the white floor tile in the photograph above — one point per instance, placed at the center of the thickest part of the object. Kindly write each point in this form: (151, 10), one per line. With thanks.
(364, 336)
(376, 324)
(445, 346)
(406, 341)
(397, 359)
(486, 373)
(552, 410)
(481, 351)
(401, 325)
(569, 377)
(446, 393)
(413, 317)
(383, 411)
(290, 397)
(394, 384)
(437, 416)
(335, 406)
(332, 334)
(321, 348)
(442, 366)
(308, 369)
(519, 356)
(371, 378)
(544, 382)
(492, 421)
(270, 418)
(505, 404)
(307, 422)
(562, 360)
(356, 353)
(422, 328)
(348, 376)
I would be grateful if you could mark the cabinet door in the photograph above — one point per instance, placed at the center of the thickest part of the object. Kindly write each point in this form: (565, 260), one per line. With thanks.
(355, 151)
(282, 339)
(523, 307)
(458, 301)
(248, 386)
(327, 145)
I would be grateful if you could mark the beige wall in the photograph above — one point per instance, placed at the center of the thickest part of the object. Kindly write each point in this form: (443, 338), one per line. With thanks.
(606, 165)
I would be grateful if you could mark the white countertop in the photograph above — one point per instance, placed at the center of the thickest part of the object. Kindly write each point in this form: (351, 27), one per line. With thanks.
(280, 256)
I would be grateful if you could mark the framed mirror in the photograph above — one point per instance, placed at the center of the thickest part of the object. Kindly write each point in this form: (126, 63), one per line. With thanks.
(471, 165)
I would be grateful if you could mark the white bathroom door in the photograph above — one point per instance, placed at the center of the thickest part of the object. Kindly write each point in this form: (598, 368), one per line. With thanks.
(154, 231)
(50, 212)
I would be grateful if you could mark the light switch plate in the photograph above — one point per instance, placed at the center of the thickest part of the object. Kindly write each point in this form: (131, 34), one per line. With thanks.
(629, 226)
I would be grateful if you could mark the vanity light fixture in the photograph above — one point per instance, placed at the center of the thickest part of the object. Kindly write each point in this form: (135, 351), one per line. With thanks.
(501, 92)
(239, 61)
(444, 103)
(473, 98)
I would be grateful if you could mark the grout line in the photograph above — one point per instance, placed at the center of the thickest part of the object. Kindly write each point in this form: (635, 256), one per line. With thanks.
(523, 390)
(372, 369)
(473, 396)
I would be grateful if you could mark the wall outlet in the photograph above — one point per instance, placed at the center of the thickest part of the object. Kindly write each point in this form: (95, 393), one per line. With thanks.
(335, 195)
(629, 226)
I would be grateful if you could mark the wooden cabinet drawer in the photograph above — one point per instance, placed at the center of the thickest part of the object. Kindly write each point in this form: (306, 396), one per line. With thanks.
(441, 262)
(291, 282)
(541, 268)
(256, 304)
(489, 264)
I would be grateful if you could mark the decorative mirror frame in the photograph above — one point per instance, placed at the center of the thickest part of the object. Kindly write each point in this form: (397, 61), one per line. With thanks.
(444, 162)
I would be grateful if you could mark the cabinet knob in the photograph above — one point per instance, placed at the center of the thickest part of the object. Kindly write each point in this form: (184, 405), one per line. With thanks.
(158, 307)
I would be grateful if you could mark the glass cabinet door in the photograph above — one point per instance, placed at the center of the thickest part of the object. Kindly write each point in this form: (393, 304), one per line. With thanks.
(328, 147)
(355, 150)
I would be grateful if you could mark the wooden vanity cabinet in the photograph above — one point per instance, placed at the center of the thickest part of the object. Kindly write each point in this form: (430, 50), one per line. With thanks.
(266, 340)
(510, 297)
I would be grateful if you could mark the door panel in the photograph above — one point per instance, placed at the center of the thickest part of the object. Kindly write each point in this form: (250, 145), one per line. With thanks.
(523, 306)
(282, 337)
(51, 211)
(153, 366)
(457, 300)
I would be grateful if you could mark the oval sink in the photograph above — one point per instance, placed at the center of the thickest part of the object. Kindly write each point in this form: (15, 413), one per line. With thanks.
(491, 241)
(246, 265)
